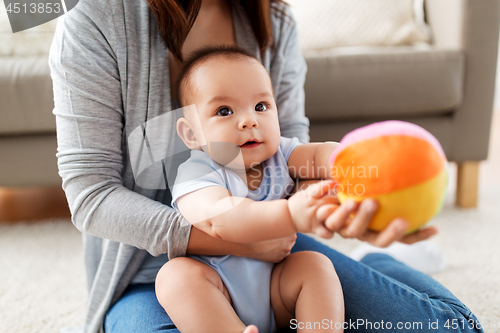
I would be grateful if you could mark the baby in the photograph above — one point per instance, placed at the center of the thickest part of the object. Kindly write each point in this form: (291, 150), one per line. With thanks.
(234, 187)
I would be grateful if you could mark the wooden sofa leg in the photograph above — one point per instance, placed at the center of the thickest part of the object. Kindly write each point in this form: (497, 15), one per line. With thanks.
(467, 184)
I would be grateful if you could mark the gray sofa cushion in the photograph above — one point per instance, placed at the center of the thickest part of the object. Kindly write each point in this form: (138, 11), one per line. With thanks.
(29, 160)
(387, 81)
(26, 96)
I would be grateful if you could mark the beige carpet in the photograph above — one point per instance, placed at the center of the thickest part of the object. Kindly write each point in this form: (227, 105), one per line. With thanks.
(42, 284)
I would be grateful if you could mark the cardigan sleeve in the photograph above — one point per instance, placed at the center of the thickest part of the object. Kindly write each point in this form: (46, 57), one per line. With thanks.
(290, 97)
(89, 111)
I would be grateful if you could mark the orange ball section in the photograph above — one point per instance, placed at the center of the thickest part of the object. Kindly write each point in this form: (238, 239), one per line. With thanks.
(387, 164)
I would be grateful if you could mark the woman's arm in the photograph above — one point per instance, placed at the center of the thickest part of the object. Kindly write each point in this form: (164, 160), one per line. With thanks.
(87, 61)
(273, 250)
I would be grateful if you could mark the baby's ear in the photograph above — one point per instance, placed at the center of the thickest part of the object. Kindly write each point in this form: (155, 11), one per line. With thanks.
(186, 133)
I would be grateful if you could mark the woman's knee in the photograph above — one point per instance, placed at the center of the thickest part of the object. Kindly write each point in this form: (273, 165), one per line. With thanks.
(138, 310)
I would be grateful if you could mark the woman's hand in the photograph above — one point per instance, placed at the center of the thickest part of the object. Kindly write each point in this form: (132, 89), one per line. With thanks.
(273, 250)
(337, 218)
(339, 221)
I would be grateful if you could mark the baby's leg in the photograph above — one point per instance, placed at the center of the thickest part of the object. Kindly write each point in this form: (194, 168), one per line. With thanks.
(195, 298)
(306, 294)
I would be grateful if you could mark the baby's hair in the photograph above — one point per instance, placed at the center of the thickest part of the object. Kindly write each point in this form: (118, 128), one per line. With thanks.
(202, 55)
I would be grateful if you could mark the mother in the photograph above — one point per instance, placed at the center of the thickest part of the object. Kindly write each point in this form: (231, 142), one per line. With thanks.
(113, 65)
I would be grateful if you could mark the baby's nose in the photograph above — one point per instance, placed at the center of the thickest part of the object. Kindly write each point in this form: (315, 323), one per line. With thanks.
(248, 121)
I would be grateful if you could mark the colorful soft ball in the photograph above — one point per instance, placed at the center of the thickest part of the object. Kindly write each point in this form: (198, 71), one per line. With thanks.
(399, 164)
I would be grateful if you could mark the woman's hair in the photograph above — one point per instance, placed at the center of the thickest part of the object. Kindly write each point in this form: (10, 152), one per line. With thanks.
(176, 17)
(202, 55)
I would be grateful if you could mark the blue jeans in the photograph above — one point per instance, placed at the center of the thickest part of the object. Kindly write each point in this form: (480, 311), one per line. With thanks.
(380, 294)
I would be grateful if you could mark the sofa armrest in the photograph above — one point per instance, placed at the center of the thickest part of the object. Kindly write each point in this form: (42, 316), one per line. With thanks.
(446, 19)
(472, 120)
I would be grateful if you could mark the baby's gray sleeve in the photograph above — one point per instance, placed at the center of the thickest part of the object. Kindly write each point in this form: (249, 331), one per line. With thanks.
(90, 121)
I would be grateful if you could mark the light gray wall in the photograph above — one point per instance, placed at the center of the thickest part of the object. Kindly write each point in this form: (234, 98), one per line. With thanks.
(497, 84)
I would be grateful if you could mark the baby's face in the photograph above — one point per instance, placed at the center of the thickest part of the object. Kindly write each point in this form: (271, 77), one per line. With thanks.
(235, 104)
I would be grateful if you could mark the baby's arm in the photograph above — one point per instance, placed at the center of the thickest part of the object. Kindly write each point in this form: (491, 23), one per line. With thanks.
(311, 160)
(215, 211)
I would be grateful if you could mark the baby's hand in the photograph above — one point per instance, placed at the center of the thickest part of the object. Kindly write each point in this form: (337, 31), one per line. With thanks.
(310, 208)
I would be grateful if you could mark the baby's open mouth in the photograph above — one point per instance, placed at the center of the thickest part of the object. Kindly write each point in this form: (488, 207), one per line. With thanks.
(250, 144)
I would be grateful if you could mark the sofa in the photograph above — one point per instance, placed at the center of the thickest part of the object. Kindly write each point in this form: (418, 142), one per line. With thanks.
(447, 87)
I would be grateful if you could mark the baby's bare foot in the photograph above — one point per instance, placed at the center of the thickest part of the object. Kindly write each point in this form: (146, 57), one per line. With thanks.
(251, 329)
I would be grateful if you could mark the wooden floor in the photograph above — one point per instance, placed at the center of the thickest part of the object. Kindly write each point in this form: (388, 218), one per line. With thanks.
(31, 204)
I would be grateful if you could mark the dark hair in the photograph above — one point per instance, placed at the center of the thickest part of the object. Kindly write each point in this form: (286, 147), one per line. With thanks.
(176, 17)
(202, 55)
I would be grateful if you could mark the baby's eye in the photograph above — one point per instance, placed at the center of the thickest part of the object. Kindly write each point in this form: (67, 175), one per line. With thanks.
(261, 107)
(224, 112)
